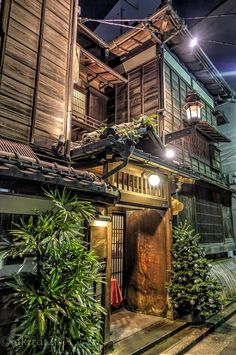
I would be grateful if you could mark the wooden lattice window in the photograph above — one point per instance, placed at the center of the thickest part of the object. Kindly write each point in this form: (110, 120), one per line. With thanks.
(118, 228)
(215, 157)
(139, 185)
(79, 102)
(209, 221)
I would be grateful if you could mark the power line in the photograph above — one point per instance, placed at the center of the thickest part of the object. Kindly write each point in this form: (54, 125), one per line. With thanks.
(148, 20)
(209, 16)
(219, 42)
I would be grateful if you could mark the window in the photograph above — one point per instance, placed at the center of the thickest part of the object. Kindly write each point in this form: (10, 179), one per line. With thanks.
(10, 265)
(215, 157)
(79, 101)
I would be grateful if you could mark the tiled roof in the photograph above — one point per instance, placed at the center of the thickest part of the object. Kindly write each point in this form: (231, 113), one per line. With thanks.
(14, 165)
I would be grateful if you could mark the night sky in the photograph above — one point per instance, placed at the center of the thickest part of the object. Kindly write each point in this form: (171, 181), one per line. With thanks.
(209, 29)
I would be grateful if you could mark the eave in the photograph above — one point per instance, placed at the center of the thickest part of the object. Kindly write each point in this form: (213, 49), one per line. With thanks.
(198, 63)
(15, 166)
(156, 23)
(211, 132)
(99, 71)
(88, 153)
(82, 29)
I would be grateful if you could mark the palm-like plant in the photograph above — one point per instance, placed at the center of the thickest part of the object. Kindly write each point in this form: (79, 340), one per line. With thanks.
(59, 314)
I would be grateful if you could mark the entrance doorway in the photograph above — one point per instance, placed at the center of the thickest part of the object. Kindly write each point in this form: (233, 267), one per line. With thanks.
(139, 263)
(117, 270)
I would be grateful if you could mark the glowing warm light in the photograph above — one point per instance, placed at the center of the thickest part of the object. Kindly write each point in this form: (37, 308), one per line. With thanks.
(170, 153)
(98, 223)
(154, 180)
(193, 107)
(193, 42)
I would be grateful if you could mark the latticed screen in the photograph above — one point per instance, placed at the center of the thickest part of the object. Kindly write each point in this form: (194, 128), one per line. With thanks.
(209, 215)
(139, 184)
(118, 225)
(79, 103)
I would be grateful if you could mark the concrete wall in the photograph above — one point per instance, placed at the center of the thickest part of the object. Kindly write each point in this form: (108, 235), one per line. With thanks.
(228, 155)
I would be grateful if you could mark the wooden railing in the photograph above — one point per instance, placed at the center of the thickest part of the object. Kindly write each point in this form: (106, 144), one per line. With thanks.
(85, 121)
(80, 118)
(139, 185)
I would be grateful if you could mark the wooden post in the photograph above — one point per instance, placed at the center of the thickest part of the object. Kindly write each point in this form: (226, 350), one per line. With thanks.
(38, 69)
(168, 223)
(68, 123)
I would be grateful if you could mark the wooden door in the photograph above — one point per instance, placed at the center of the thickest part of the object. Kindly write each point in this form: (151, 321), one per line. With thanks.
(146, 261)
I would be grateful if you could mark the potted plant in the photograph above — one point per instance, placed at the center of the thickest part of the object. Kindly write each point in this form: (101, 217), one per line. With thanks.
(193, 292)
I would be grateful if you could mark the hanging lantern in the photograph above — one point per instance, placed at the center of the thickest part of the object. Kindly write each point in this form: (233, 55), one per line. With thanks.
(193, 107)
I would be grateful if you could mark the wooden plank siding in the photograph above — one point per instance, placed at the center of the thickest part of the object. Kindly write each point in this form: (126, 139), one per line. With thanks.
(34, 70)
(139, 96)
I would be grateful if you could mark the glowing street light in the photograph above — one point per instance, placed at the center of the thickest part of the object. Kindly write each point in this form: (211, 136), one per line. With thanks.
(193, 42)
(170, 153)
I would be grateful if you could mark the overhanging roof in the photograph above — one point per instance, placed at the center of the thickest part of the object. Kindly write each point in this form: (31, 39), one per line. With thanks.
(211, 132)
(86, 154)
(201, 66)
(19, 163)
(97, 70)
(158, 23)
(169, 28)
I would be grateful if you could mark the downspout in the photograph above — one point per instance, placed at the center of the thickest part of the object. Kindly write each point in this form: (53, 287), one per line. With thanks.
(128, 150)
(68, 123)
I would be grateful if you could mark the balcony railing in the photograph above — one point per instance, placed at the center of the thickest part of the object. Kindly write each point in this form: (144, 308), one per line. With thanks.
(80, 118)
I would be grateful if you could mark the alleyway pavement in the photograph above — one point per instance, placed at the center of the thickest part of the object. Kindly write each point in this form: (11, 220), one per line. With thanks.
(221, 342)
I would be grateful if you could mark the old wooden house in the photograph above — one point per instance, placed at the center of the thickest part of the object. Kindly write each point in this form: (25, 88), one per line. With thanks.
(54, 96)
(152, 75)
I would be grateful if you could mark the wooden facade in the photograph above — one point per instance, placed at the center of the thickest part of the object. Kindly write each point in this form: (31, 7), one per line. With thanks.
(159, 87)
(34, 69)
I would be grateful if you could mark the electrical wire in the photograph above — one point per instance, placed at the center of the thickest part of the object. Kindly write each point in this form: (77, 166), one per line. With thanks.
(85, 19)
(219, 42)
(146, 23)
(209, 16)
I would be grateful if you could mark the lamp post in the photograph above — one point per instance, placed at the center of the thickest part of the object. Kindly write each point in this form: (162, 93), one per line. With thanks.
(193, 107)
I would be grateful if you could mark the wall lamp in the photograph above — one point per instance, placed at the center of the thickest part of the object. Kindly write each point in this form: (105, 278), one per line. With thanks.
(193, 107)
(153, 178)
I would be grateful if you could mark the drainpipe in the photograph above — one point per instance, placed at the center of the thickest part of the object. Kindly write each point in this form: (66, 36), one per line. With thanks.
(68, 123)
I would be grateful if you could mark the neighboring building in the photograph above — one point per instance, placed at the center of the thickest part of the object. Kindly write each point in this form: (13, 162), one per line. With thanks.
(228, 154)
(36, 57)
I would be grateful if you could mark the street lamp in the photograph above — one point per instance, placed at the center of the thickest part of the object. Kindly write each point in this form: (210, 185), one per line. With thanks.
(193, 107)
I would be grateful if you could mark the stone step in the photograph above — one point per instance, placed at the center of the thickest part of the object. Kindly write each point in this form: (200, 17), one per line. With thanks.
(147, 338)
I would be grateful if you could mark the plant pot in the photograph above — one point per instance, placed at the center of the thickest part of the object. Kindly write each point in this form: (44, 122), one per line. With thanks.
(194, 318)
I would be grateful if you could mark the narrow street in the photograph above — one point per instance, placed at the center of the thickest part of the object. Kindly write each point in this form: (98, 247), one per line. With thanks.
(222, 341)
